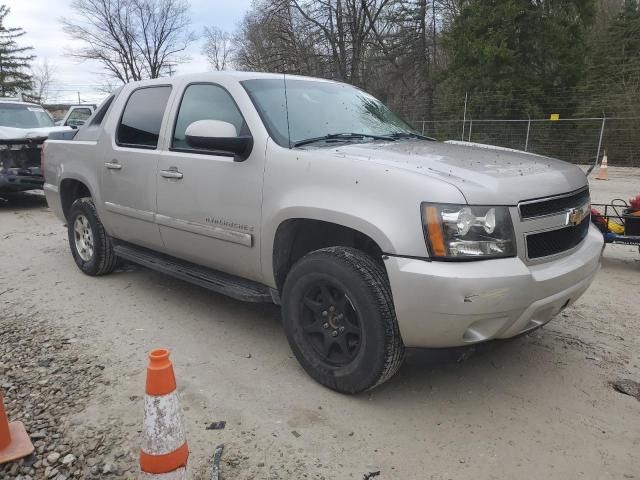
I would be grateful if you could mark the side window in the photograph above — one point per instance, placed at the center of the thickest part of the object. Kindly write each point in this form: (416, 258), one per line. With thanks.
(205, 102)
(142, 117)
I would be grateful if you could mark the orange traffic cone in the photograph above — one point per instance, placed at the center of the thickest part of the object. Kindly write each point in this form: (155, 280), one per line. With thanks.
(14, 439)
(164, 446)
(603, 173)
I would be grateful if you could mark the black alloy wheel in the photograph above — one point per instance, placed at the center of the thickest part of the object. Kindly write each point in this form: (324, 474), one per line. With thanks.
(330, 323)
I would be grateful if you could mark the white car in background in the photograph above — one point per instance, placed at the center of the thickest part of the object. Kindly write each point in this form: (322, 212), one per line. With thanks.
(76, 116)
(24, 127)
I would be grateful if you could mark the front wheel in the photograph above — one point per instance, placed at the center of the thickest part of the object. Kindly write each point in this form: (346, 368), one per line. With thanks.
(91, 247)
(339, 319)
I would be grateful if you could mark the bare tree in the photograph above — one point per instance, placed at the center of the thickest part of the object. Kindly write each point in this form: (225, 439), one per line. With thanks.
(346, 27)
(132, 39)
(217, 47)
(328, 38)
(385, 46)
(42, 76)
(273, 37)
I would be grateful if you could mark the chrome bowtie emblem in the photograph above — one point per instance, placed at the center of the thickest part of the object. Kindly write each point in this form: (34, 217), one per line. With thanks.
(575, 216)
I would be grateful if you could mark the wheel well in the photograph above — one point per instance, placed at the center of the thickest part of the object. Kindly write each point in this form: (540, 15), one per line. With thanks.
(297, 237)
(70, 191)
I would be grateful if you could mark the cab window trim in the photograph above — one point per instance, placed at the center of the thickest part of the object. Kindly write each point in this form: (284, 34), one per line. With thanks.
(214, 153)
(124, 109)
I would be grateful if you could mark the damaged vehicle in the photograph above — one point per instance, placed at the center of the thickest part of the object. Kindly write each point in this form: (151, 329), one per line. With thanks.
(24, 127)
(312, 194)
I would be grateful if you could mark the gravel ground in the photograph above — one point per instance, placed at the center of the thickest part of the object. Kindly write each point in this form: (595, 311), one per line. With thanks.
(47, 378)
(73, 354)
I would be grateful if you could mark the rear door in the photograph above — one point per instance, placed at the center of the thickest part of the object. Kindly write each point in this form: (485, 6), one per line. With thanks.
(129, 172)
(211, 213)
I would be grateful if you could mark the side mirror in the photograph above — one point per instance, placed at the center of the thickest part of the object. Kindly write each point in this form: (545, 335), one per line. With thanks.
(218, 136)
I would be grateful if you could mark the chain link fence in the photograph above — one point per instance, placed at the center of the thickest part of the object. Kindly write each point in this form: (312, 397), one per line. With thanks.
(575, 140)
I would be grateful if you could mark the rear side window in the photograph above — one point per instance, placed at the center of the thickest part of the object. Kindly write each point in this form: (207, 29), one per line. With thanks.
(205, 102)
(102, 110)
(142, 117)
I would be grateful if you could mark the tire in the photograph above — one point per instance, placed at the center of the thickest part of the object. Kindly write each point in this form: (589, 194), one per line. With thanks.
(367, 349)
(100, 259)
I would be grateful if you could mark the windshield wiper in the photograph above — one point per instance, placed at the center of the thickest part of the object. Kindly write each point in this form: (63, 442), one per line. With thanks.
(343, 136)
(410, 135)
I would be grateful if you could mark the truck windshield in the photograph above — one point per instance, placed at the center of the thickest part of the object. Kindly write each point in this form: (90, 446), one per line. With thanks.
(316, 110)
(24, 116)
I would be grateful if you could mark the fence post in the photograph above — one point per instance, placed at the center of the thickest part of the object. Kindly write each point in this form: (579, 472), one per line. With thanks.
(604, 119)
(464, 118)
(423, 128)
(526, 143)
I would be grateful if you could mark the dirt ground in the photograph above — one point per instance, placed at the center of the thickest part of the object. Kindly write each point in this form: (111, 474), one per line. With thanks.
(537, 407)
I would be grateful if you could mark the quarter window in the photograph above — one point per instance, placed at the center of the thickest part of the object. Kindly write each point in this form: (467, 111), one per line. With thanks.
(205, 102)
(142, 117)
(102, 111)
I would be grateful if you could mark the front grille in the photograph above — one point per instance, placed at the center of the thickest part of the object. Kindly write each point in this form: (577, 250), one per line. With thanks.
(20, 154)
(554, 205)
(556, 241)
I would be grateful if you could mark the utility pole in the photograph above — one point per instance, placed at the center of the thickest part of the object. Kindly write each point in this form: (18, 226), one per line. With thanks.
(79, 98)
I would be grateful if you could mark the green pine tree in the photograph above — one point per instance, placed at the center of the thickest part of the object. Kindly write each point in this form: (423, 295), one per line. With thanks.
(518, 57)
(614, 79)
(14, 60)
(612, 84)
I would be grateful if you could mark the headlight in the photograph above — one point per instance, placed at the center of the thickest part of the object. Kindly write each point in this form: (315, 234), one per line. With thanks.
(463, 232)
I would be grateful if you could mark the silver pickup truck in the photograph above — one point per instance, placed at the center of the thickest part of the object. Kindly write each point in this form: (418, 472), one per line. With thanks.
(312, 194)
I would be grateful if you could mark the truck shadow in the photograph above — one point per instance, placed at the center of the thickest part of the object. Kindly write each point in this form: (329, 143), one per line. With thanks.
(22, 200)
(505, 367)
(622, 260)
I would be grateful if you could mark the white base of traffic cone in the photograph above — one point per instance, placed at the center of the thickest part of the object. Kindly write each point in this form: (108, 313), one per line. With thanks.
(180, 474)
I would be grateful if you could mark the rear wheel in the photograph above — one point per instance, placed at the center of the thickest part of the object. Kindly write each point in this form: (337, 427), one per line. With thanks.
(91, 247)
(339, 318)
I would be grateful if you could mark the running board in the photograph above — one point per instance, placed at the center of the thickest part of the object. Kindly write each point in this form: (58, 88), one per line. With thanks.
(230, 285)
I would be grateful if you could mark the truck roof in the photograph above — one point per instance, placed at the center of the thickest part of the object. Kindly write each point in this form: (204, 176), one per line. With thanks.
(227, 75)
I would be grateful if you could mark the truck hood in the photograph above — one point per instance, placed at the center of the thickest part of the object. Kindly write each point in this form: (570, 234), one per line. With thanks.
(11, 133)
(485, 176)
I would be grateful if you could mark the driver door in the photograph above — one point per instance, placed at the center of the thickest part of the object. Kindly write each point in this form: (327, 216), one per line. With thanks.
(208, 205)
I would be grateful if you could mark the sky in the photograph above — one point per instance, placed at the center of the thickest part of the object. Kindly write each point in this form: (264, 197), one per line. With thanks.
(40, 19)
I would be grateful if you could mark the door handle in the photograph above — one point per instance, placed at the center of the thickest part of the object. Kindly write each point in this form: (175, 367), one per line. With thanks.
(114, 165)
(171, 173)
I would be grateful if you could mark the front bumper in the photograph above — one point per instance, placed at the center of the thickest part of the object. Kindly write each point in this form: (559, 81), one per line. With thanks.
(449, 304)
(10, 182)
(20, 168)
